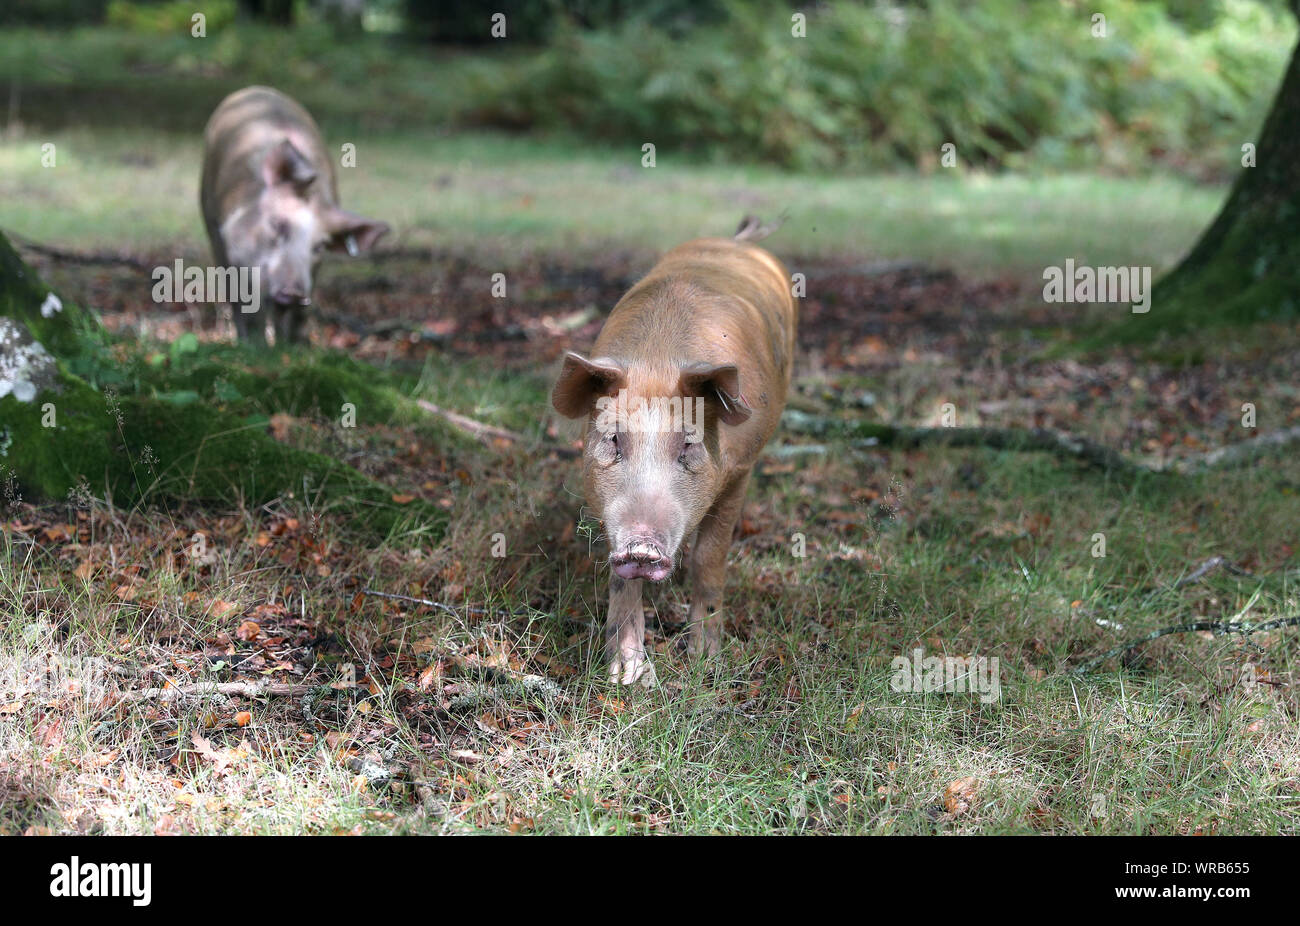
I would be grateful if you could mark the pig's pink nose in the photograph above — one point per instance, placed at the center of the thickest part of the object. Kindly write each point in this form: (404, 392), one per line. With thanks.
(291, 297)
(641, 559)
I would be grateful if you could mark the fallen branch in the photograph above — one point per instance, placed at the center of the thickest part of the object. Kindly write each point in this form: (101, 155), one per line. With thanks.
(1243, 452)
(424, 601)
(467, 609)
(488, 432)
(1042, 439)
(1058, 443)
(414, 332)
(1218, 628)
(74, 257)
(1214, 562)
(228, 689)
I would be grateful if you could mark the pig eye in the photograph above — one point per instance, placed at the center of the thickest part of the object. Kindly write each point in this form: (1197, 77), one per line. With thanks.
(691, 451)
(613, 439)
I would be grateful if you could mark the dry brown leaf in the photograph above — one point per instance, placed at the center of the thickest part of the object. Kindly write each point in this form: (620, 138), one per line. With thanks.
(222, 608)
(166, 826)
(960, 794)
(428, 678)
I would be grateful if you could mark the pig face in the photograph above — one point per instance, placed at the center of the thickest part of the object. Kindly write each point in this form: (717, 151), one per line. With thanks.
(288, 227)
(651, 465)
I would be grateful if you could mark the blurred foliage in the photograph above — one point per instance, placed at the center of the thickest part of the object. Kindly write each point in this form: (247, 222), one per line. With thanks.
(875, 85)
(52, 12)
(535, 21)
(1175, 84)
(173, 17)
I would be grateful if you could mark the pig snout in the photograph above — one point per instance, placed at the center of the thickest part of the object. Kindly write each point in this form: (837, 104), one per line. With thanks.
(291, 296)
(640, 555)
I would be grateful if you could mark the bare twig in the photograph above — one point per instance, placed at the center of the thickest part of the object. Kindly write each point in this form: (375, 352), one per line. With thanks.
(1217, 628)
(228, 689)
(488, 432)
(469, 425)
(450, 609)
(424, 601)
(53, 253)
(1214, 562)
(1046, 440)
(752, 228)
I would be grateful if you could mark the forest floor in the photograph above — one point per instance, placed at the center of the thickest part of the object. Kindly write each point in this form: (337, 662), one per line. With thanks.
(488, 711)
(344, 711)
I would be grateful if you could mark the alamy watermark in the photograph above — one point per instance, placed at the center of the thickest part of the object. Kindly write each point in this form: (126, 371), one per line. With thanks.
(657, 414)
(240, 286)
(1081, 283)
(75, 878)
(51, 675)
(919, 674)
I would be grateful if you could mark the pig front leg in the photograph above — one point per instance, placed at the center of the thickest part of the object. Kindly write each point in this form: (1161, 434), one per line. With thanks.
(250, 326)
(288, 322)
(709, 569)
(625, 635)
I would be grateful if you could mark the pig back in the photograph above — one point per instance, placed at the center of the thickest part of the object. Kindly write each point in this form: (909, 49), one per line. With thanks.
(717, 301)
(242, 130)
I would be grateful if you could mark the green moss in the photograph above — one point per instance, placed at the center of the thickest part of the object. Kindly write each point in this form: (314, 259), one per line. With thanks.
(1246, 266)
(303, 384)
(191, 425)
(138, 449)
(22, 293)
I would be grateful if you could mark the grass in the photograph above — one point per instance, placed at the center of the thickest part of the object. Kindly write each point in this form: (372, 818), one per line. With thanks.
(503, 195)
(496, 718)
(796, 729)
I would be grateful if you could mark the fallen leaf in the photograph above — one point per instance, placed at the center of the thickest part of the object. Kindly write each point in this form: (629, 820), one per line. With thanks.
(222, 608)
(960, 794)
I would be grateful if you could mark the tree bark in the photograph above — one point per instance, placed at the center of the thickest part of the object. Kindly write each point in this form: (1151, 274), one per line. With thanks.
(1246, 265)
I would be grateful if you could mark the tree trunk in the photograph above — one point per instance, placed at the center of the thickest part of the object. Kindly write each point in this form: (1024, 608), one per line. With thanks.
(277, 12)
(1246, 266)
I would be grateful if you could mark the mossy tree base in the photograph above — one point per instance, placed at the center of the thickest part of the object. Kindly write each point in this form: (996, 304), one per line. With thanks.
(190, 426)
(1246, 266)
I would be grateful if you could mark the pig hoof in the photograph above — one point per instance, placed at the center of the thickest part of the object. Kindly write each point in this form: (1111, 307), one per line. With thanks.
(633, 668)
(706, 645)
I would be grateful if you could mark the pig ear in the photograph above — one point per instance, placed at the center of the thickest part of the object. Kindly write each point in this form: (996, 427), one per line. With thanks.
(720, 383)
(581, 382)
(352, 233)
(286, 164)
